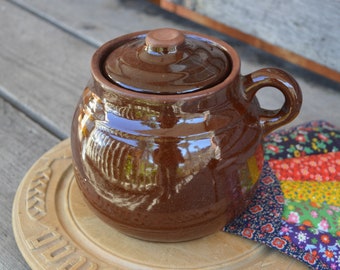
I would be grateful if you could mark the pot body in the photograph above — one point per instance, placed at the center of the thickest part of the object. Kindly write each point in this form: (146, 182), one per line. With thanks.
(173, 167)
(167, 171)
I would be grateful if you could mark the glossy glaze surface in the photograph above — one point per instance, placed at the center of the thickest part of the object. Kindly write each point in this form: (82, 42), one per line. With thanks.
(174, 167)
(165, 61)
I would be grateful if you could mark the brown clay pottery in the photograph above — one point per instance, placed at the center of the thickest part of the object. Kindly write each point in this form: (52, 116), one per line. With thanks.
(166, 138)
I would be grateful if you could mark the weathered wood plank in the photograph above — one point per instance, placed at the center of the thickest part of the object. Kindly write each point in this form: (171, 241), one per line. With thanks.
(42, 68)
(22, 142)
(101, 20)
(302, 32)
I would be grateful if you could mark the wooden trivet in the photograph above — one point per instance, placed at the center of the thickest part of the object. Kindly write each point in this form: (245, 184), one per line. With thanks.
(55, 229)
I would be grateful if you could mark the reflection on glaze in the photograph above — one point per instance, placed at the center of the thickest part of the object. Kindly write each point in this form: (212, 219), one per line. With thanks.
(140, 162)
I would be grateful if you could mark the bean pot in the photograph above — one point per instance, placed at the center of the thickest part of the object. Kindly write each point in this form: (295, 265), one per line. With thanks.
(167, 135)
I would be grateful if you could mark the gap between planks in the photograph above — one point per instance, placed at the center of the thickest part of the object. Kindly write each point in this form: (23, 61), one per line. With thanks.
(56, 23)
(35, 117)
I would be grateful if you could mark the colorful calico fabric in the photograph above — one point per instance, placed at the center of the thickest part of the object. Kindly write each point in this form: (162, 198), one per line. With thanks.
(314, 192)
(319, 168)
(317, 137)
(296, 208)
(322, 216)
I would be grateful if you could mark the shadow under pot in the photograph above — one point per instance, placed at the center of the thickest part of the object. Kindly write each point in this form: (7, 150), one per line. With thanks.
(167, 136)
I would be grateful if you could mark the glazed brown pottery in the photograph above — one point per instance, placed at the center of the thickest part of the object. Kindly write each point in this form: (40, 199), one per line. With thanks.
(166, 138)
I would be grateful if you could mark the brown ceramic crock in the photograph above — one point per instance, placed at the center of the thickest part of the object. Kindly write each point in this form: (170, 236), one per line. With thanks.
(166, 138)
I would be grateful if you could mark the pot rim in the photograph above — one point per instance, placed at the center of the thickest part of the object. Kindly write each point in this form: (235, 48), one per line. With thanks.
(103, 84)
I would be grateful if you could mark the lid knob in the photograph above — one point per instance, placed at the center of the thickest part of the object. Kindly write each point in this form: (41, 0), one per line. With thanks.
(164, 40)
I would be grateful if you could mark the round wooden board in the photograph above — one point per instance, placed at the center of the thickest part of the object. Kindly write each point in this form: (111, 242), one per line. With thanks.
(55, 229)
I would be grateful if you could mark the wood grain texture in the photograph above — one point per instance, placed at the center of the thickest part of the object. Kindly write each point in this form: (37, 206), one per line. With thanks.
(303, 32)
(42, 67)
(22, 142)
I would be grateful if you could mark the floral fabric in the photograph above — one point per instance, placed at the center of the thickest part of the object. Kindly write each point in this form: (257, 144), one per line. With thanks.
(323, 216)
(296, 208)
(319, 244)
(318, 137)
(320, 168)
(316, 193)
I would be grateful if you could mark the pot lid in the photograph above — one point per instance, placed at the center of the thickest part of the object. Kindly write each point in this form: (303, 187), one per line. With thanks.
(167, 61)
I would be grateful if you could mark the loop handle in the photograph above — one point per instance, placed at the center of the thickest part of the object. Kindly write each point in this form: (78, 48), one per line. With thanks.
(286, 84)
